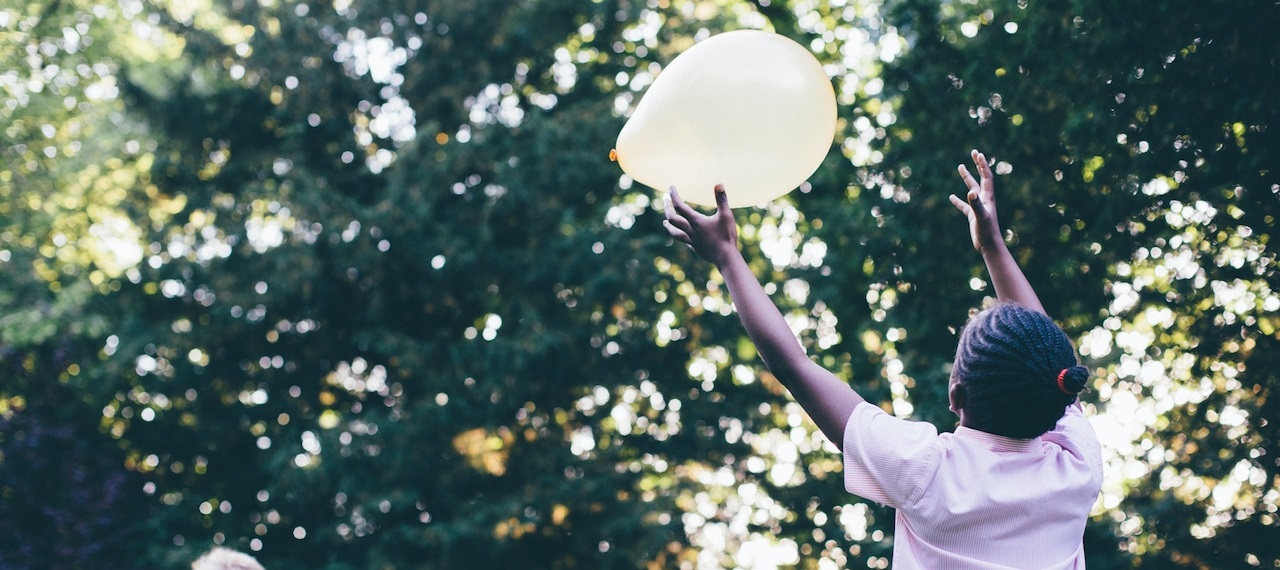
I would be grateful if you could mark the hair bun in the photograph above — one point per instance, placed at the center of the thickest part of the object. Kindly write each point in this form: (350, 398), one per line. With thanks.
(1072, 380)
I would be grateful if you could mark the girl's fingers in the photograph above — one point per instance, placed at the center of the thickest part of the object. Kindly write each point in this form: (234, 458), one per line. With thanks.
(980, 160)
(975, 204)
(961, 205)
(678, 221)
(681, 208)
(671, 214)
(722, 201)
(676, 233)
(984, 168)
(968, 178)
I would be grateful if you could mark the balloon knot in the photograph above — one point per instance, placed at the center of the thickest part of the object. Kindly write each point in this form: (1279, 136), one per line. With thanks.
(613, 155)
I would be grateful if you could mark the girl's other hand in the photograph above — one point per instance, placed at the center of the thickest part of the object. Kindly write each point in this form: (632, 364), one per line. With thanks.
(980, 206)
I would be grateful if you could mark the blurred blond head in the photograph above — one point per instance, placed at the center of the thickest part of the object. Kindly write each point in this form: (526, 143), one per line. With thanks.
(225, 559)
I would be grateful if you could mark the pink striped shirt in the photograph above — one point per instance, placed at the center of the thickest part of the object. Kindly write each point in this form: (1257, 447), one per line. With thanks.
(973, 500)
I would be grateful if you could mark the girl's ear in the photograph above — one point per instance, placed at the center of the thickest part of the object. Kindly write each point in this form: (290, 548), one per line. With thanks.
(955, 392)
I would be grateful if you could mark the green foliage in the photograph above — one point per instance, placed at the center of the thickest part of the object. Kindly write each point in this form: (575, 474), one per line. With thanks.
(66, 499)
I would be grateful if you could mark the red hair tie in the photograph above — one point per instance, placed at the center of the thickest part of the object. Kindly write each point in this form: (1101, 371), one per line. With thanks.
(1061, 376)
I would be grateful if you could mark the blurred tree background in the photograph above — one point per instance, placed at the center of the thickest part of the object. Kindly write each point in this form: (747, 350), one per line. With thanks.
(354, 285)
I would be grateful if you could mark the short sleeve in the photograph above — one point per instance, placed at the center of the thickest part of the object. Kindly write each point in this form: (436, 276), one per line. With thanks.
(1074, 434)
(887, 459)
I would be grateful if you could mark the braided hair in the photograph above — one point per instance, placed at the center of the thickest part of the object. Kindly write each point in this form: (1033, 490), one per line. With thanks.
(1017, 370)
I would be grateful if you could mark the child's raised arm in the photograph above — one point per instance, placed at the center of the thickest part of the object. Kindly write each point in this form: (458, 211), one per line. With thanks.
(984, 228)
(826, 398)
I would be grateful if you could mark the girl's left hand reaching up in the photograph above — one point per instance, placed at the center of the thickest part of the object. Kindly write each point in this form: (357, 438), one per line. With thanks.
(828, 399)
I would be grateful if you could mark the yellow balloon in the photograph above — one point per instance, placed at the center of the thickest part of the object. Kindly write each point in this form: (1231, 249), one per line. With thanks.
(750, 109)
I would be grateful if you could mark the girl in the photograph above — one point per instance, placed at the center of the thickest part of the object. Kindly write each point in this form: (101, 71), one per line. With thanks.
(1013, 485)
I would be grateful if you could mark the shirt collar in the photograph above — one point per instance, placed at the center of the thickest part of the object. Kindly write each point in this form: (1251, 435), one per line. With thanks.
(997, 442)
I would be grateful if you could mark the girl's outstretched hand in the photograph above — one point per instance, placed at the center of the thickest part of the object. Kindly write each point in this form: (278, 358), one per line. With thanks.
(980, 206)
(1010, 284)
(714, 237)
